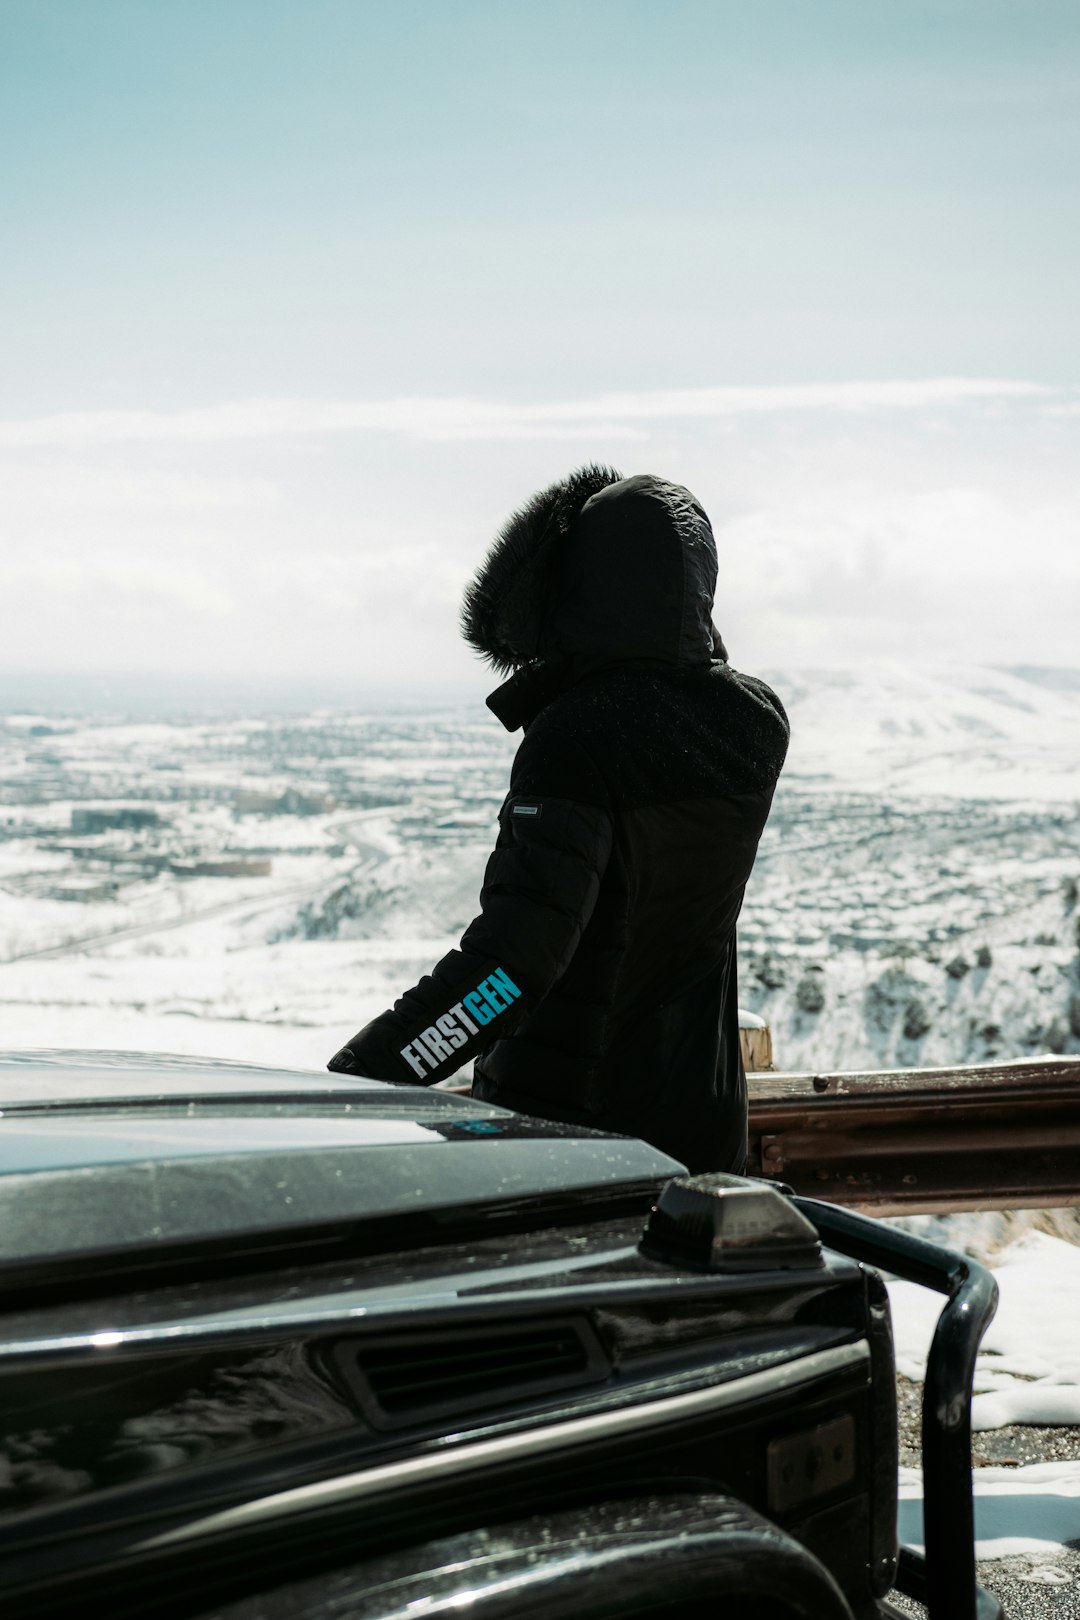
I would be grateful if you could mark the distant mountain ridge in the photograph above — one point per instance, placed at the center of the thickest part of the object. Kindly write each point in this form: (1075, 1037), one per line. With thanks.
(967, 731)
(1060, 680)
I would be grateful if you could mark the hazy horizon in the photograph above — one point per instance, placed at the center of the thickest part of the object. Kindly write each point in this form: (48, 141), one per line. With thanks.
(57, 694)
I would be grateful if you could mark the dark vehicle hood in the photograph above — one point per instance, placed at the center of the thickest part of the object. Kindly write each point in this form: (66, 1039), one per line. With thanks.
(125, 1159)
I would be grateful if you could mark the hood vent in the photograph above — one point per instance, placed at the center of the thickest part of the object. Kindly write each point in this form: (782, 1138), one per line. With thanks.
(411, 1379)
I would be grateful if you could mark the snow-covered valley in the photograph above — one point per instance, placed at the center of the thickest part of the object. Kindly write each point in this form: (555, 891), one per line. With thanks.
(258, 886)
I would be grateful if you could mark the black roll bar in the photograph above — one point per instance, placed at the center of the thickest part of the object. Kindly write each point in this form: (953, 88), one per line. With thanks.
(945, 1578)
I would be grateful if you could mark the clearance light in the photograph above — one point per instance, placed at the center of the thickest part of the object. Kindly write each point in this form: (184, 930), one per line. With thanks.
(725, 1223)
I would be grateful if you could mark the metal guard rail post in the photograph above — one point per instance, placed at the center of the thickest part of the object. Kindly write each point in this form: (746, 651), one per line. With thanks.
(945, 1578)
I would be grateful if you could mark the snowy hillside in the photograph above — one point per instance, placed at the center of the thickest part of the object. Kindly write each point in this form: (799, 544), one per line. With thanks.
(259, 886)
(946, 731)
(929, 913)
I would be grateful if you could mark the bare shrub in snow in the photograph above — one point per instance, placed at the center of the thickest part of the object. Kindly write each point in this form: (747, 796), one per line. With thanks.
(1074, 1015)
(916, 1021)
(1056, 1037)
(771, 973)
(888, 996)
(810, 991)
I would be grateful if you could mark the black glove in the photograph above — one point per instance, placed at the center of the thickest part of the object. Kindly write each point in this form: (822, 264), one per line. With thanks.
(344, 1062)
(347, 1062)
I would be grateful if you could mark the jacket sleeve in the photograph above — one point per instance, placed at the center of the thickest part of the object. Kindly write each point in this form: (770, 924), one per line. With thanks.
(540, 887)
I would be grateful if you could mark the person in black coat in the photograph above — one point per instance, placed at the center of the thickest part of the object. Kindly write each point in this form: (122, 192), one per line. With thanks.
(598, 984)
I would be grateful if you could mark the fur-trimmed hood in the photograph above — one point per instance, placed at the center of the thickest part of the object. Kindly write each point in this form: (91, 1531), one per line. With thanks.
(601, 568)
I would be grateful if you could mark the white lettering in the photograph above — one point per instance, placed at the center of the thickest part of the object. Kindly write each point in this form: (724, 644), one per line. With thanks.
(456, 1037)
(463, 1018)
(412, 1058)
(432, 1038)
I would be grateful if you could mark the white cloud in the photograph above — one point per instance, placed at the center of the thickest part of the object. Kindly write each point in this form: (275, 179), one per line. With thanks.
(123, 574)
(955, 572)
(65, 488)
(606, 415)
(854, 520)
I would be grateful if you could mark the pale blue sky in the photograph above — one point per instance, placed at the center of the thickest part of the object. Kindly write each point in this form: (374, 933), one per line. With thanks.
(211, 197)
(212, 204)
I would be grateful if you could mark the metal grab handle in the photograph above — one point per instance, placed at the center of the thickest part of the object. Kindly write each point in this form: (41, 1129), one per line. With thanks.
(950, 1591)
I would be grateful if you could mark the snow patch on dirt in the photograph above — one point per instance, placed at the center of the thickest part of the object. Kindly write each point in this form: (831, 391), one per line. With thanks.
(1028, 1368)
(1017, 1510)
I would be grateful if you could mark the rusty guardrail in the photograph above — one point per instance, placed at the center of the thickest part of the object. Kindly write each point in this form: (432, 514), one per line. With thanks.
(904, 1141)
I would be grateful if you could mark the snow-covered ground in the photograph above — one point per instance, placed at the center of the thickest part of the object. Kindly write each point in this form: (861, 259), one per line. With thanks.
(1031, 1512)
(1029, 1364)
(1027, 1380)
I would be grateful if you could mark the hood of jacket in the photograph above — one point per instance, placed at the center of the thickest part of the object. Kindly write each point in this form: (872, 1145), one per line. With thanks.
(597, 570)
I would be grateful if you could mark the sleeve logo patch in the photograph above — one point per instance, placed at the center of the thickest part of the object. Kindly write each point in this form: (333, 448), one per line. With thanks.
(438, 1043)
(526, 809)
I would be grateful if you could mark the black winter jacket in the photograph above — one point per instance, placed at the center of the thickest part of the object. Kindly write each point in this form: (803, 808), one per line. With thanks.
(598, 984)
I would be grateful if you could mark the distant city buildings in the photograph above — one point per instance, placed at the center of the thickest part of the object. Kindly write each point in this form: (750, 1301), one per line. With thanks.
(232, 867)
(290, 803)
(113, 818)
(85, 892)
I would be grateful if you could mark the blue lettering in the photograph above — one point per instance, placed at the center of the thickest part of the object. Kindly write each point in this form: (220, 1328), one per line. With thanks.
(491, 996)
(505, 983)
(479, 1009)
